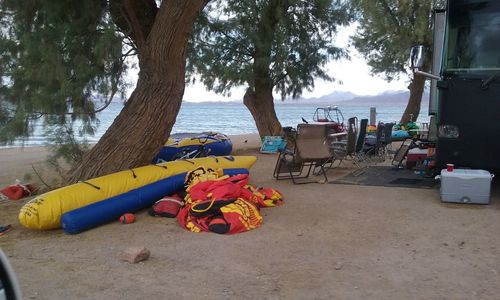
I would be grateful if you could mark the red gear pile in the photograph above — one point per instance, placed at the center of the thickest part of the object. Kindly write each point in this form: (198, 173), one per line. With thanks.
(225, 204)
(17, 191)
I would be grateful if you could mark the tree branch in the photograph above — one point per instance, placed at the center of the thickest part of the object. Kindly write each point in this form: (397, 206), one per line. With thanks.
(134, 22)
(244, 47)
(135, 18)
(40, 177)
(391, 13)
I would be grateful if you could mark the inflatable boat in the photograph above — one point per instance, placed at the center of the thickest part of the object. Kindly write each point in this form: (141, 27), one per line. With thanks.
(214, 143)
(45, 211)
(111, 209)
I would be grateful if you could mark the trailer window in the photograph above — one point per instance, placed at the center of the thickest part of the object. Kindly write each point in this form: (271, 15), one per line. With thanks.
(473, 36)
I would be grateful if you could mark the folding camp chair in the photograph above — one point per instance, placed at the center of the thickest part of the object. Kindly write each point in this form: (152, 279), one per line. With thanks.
(387, 140)
(353, 149)
(360, 158)
(345, 149)
(401, 153)
(373, 150)
(311, 150)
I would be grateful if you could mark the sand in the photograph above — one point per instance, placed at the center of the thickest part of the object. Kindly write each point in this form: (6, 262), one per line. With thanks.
(328, 241)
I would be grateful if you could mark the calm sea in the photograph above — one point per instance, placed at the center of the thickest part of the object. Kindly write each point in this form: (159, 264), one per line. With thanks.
(234, 118)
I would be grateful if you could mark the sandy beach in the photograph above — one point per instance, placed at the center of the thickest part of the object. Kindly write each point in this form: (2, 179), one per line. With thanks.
(328, 241)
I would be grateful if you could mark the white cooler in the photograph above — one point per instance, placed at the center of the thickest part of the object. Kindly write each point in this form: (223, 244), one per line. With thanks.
(465, 186)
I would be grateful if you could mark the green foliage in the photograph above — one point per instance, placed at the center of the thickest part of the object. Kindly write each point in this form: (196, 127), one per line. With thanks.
(65, 151)
(283, 44)
(64, 146)
(56, 55)
(389, 28)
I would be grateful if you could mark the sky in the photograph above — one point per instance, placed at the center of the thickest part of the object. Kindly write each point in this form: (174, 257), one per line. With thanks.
(354, 75)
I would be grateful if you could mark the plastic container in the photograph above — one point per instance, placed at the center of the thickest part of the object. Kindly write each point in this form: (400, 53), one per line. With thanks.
(272, 144)
(465, 186)
(416, 154)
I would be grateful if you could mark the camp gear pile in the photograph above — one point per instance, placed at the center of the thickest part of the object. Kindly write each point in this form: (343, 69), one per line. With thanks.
(168, 207)
(223, 204)
(17, 191)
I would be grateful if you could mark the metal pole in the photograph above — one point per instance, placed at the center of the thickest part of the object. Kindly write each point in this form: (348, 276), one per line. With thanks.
(373, 113)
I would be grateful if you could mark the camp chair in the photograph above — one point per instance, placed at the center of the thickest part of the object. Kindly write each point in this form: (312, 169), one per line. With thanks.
(359, 154)
(387, 140)
(374, 151)
(289, 134)
(311, 150)
(401, 153)
(354, 148)
(345, 149)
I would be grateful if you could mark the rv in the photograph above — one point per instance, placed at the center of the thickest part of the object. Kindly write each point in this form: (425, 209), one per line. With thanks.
(465, 84)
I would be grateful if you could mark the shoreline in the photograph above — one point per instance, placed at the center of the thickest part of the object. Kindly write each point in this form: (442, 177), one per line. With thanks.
(238, 140)
(7, 147)
(17, 162)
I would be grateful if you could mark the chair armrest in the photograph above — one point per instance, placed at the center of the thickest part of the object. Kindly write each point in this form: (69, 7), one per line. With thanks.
(286, 155)
(285, 151)
(339, 148)
(338, 145)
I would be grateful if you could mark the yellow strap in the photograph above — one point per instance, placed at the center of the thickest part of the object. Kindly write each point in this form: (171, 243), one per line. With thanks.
(203, 210)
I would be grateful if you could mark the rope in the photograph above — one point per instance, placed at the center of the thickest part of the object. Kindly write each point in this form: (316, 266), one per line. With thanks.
(214, 157)
(92, 185)
(133, 173)
(187, 160)
(164, 167)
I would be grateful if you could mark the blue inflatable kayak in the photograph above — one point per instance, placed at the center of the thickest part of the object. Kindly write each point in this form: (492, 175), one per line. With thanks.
(216, 144)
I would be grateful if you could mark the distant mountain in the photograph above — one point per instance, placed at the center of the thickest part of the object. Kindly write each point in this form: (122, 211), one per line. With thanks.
(342, 98)
(386, 98)
(347, 98)
(333, 97)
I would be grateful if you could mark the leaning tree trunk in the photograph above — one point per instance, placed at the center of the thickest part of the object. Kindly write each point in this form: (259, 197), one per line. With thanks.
(259, 96)
(145, 122)
(260, 103)
(413, 107)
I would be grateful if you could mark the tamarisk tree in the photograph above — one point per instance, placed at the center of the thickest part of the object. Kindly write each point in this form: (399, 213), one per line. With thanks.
(387, 30)
(56, 54)
(266, 46)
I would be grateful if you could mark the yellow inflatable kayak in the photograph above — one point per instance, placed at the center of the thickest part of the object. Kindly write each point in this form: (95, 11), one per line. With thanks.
(45, 211)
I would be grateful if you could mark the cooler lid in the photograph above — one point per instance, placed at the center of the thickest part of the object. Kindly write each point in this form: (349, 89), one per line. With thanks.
(417, 151)
(466, 173)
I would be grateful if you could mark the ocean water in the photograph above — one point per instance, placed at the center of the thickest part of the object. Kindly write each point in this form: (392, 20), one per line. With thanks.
(234, 118)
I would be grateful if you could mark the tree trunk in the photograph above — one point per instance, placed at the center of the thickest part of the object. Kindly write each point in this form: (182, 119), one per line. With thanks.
(413, 107)
(260, 103)
(145, 122)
